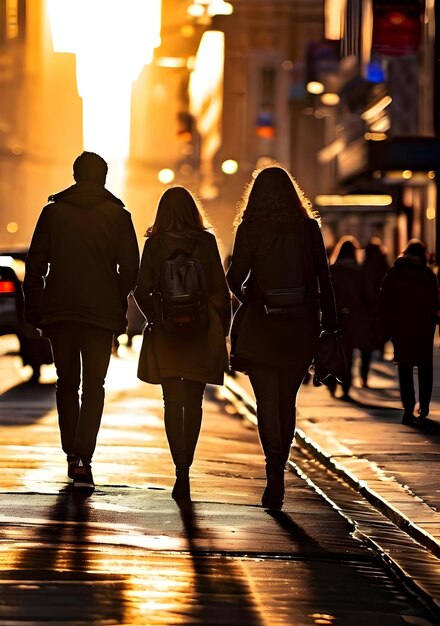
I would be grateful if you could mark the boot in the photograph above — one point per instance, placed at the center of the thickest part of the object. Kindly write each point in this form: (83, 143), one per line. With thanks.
(181, 490)
(273, 496)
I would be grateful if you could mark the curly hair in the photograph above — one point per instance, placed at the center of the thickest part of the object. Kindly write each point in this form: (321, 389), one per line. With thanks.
(272, 197)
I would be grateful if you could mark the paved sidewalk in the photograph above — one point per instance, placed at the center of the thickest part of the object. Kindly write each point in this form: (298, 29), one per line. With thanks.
(395, 467)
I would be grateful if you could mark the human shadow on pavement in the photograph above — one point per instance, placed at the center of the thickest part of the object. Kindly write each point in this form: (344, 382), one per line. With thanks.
(58, 570)
(343, 586)
(222, 594)
(25, 403)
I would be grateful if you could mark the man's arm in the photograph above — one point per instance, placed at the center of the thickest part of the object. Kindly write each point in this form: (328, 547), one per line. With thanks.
(37, 267)
(128, 259)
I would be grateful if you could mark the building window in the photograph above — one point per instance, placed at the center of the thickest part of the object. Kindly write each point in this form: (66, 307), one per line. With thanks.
(12, 21)
(267, 87)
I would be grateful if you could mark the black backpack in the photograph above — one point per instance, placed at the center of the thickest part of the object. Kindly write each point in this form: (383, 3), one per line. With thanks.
(182, 292)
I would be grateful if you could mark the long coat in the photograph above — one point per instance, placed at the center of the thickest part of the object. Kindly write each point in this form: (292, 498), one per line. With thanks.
(198, 355)
(83, 260)
(351, 302)
(408, 306)
(274, 254)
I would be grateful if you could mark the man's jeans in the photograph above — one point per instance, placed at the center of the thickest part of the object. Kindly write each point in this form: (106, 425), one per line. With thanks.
(80, 351)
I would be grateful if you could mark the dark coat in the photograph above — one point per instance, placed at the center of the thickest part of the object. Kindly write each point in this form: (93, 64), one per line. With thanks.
(373, 271)
(274, 254)
(199, 355)
(408, 306)
(83, 260)
(351, 303)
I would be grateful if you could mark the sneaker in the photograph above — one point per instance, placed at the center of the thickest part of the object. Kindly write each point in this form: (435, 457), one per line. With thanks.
(83, 477)
(72, 462)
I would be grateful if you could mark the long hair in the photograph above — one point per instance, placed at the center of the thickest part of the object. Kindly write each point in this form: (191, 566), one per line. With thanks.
(178, 210)
(346, 248)
(272, 197)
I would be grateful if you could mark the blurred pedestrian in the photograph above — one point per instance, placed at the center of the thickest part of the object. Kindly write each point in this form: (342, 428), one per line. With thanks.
(278, 260)
(185, 361)
(81, 266)
(374, 268)
(346, 277)
(408, 305)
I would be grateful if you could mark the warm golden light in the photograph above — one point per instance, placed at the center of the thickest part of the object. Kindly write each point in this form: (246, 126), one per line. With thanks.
(354, 200)
(315, 87)
(377, 108)
(12, 227)
(165, 176)
(430, 213)
(329, 152)
(330, 99)
(112, 43)
(219, 7)
(229, 166)
(375, 136)
(334, 12)
(195, 10)
(407, 174)
(206, 91)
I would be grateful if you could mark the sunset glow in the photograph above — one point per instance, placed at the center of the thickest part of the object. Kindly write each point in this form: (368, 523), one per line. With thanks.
(112, 41)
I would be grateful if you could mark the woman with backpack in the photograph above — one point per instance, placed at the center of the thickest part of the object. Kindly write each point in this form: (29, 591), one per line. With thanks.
(183, 294)
(280, 274)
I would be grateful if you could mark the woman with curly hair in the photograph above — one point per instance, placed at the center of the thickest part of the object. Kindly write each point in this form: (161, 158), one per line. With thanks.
(280, 274)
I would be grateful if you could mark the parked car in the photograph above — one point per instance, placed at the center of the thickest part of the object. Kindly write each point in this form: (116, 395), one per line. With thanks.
(34, 350)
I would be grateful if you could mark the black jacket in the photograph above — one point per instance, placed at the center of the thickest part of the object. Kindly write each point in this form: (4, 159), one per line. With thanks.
(272, 254)
(351, 302)
(83, 260)
(408, 306)
(201, 355)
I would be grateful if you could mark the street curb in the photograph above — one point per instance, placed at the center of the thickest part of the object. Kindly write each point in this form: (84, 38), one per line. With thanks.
(245, 406)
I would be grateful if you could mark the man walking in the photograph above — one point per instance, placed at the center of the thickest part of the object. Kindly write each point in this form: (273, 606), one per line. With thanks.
(81, 266)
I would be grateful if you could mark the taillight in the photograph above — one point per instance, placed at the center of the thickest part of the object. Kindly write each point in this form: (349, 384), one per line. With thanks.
(7, 286)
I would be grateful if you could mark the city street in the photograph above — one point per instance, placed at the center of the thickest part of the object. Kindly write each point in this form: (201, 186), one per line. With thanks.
(129, 555)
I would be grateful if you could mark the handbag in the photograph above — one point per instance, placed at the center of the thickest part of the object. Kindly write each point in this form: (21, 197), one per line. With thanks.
(330, 361)
(148, 369)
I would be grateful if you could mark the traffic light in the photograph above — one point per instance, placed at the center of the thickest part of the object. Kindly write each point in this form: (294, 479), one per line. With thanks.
(397, 26)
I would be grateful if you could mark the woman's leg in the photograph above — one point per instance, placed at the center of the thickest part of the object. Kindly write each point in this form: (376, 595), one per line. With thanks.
(289, 383)
(407, 393)
(192, 416)
(265, 383)
(365, 366)
(183, 417)
(425, 376)
(173, 416)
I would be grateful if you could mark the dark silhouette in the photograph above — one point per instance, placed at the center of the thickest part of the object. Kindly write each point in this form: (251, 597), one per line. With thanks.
(278, 250)
(34, 349)
(374, 268)
(81, 266)
(350, 302)
(185, 361)
(408, 305)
